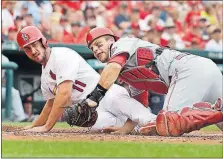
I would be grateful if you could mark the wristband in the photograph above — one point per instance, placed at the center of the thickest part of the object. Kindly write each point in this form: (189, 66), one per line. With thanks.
(101, 89)
(97, 94)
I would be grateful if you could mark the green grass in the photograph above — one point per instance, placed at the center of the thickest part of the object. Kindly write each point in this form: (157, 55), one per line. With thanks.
(106, 149)
(211, 128)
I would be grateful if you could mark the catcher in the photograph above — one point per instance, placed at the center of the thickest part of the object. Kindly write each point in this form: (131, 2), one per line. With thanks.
(191, 83)
(66, 80)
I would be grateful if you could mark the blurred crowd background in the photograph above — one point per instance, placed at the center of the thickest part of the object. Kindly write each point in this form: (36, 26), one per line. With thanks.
(178, 24)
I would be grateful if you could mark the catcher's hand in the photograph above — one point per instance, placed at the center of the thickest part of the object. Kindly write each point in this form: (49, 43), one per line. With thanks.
(94, 97)
(80, 115)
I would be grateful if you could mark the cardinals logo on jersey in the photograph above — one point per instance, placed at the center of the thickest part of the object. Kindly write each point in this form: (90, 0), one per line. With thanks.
(52, 75)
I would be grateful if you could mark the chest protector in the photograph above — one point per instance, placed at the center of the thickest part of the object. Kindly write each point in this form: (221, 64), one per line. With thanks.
(143, 76)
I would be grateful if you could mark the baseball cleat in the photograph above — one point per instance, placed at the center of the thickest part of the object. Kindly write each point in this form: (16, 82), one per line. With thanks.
(218, 105)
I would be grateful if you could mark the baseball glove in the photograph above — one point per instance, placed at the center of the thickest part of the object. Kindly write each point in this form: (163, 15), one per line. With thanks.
(80, 115)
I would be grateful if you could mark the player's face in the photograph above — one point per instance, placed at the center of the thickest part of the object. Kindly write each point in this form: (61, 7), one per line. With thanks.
(36, 52)
(100, 49)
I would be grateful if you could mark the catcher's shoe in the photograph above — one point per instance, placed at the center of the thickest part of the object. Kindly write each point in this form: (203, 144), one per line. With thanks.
(148, 129)
(189, 119)
(218, 105)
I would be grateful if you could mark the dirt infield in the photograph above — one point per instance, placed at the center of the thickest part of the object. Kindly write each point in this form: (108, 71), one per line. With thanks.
(82, 134)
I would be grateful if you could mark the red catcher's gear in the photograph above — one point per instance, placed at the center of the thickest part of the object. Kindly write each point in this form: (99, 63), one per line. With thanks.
(98, 32)
(28, 35)
(189, 119)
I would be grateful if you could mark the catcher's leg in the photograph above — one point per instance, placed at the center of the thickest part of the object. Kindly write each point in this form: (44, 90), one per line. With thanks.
(189, 119)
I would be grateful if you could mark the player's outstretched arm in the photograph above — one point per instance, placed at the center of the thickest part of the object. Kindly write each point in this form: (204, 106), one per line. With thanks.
(42, 118)
(62, 98)
(110, 74)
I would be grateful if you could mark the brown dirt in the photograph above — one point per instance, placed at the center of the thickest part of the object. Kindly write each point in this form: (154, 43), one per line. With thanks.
(82, 134)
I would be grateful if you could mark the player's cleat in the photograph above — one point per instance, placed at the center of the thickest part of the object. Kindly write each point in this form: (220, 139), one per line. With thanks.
(189, 119)
(218, 105)
(148, 129)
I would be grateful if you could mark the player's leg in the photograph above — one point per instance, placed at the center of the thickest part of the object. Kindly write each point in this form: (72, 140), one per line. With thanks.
(216, 88)
(106, 119)
(198, 80)
(118, 102)
(189, 90)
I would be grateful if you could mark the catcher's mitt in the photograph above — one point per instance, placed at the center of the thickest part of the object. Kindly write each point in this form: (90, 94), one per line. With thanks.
(80, 115)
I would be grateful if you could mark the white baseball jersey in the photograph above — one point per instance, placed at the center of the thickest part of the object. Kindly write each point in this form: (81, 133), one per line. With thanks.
(66, 64)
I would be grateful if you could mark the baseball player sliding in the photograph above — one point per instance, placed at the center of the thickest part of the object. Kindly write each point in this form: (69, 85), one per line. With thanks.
(191, 83)
(67, 79)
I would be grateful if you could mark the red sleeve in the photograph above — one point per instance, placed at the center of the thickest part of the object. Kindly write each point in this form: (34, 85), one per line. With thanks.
(143, 98)
(120, 59)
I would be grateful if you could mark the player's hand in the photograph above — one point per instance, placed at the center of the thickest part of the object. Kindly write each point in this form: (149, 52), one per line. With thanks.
(89, 102)
(41, 129)
(94, 97)
(115, 130)
(27, 127)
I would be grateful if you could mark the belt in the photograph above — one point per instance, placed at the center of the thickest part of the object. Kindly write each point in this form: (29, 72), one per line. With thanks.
(159, 50)
(151, 64)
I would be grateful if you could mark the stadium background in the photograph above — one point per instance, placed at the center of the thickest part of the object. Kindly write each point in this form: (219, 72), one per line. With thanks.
(194, 26)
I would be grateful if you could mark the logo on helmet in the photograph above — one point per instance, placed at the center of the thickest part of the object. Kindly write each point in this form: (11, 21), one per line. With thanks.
(25, 37)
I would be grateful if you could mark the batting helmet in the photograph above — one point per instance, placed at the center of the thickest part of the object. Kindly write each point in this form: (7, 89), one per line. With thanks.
(28, 35)
(98, 32)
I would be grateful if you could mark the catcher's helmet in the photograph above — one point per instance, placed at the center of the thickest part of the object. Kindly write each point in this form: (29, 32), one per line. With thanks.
(98, 32)
(28, 35)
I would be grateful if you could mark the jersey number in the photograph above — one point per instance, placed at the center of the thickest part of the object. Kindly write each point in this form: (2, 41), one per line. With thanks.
(78, 85)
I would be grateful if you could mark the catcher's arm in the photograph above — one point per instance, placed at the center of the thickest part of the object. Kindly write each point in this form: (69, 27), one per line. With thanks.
(110, 74)
(108, 77)
(61, 99)
(112, 70)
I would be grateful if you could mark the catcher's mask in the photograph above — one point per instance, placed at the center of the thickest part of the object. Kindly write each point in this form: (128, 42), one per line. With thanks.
(97, 33)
